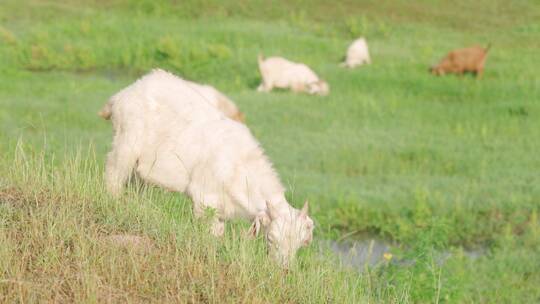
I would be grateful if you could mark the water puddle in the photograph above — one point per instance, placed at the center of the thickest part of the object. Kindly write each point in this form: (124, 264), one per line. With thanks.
(371, 252)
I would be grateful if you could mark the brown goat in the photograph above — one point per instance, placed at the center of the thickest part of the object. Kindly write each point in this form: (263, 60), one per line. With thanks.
(460, 61)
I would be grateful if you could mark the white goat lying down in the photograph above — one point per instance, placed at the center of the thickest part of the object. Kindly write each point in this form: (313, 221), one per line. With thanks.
(209, 95)
(172, 138)
(357, 54)
(278, 72)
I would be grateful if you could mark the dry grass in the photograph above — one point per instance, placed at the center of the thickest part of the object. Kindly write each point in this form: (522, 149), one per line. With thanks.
(63, 240)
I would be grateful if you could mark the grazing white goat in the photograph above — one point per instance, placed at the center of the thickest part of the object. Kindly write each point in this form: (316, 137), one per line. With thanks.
(209, 95)
(278, 72)
(357, 54)
(168, 134)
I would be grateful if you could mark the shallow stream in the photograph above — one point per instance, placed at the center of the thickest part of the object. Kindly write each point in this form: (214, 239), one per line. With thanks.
(371, 251)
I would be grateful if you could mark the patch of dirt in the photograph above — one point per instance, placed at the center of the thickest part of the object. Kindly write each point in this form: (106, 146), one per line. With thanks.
(11, 196)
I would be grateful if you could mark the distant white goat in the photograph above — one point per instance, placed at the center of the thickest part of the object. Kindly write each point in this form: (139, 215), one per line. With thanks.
(278, 72)
(168, 134)
(357, 54)
(210, 95)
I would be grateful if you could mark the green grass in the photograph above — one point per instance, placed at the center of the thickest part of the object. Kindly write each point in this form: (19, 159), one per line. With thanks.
(433, 163)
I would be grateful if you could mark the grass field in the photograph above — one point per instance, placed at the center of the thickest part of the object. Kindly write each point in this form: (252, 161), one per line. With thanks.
(434, 164)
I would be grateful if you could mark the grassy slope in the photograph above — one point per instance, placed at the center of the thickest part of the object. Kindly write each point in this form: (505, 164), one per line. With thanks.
(430, 161)
(55, 221)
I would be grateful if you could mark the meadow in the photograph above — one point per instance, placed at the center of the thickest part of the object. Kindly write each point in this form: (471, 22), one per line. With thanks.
(430, 163)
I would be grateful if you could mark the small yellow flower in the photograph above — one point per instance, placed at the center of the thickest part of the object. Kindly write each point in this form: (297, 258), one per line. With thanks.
(387, 256)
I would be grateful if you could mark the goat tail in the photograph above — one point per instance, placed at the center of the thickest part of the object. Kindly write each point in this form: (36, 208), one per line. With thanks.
(260, 59)
(106, 111)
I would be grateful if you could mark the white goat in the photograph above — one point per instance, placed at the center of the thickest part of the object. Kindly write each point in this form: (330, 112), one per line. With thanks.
(210, 95)
(278, 72)
(173, 138)
(357, 54)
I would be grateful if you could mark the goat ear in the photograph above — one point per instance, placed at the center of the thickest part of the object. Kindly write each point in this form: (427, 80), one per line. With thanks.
(304, 211)
(272, 212)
